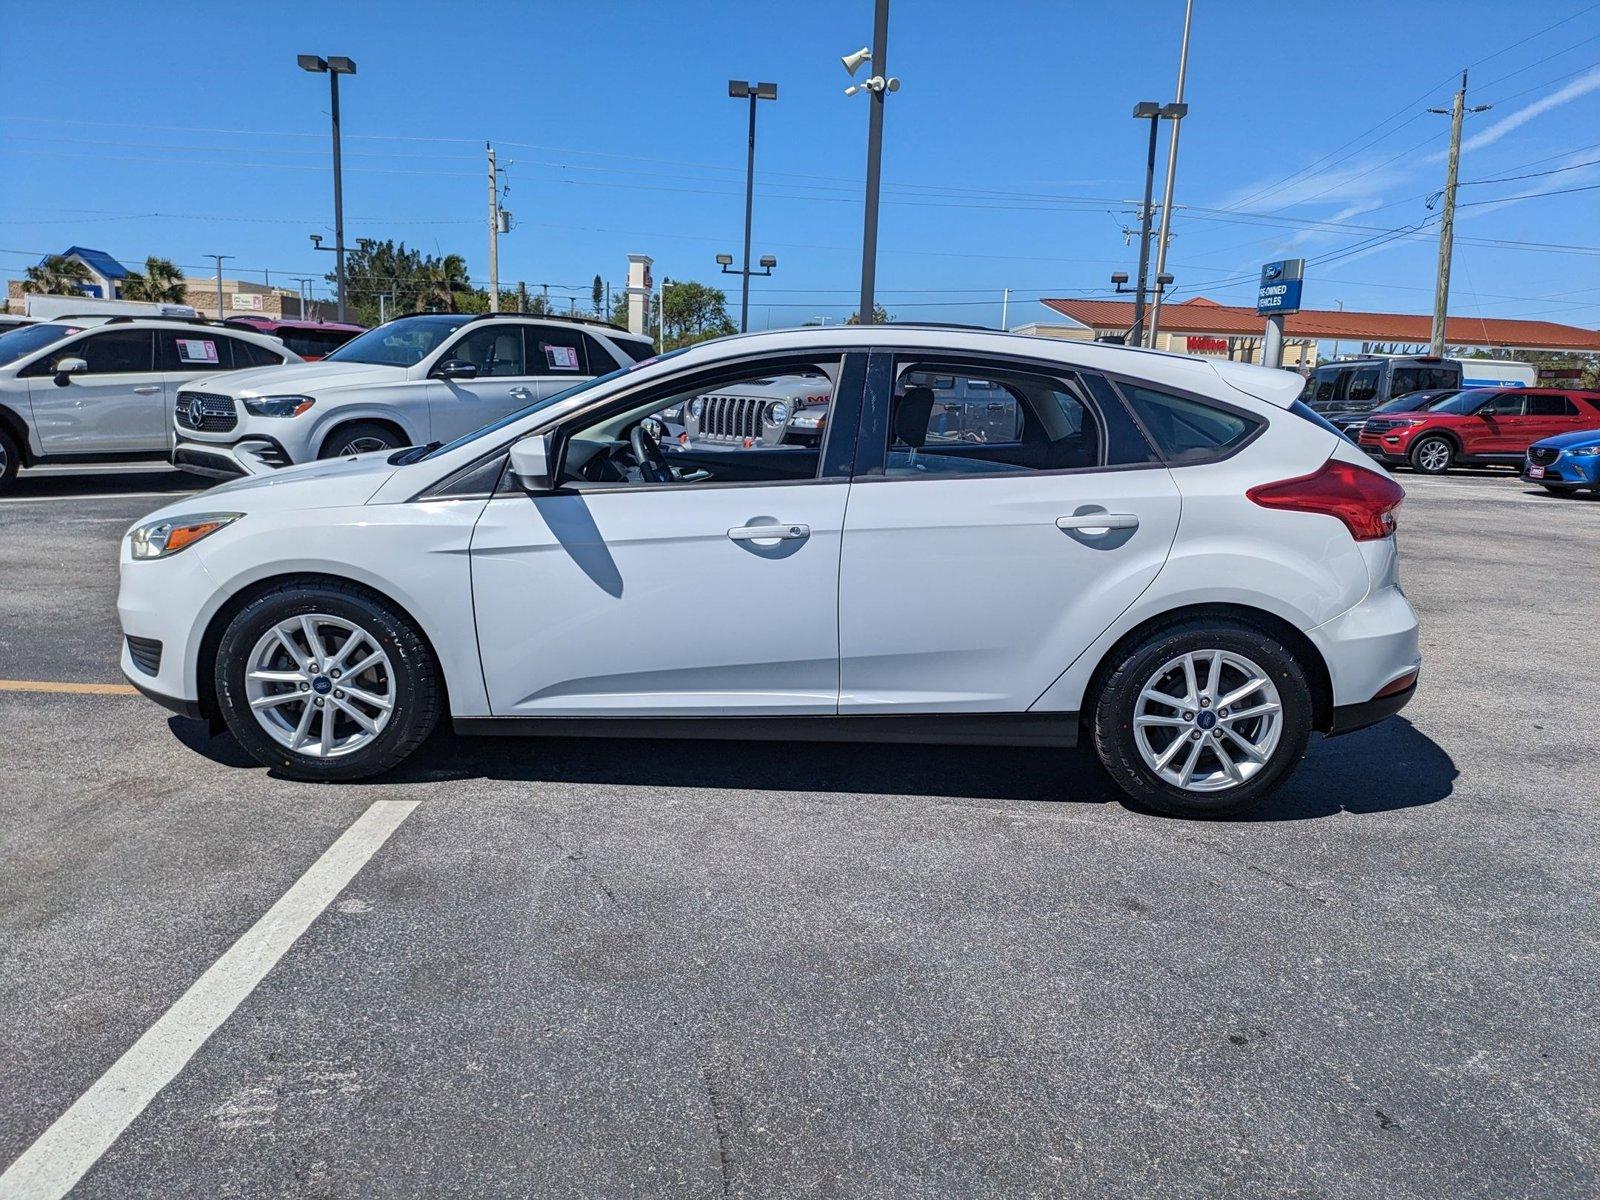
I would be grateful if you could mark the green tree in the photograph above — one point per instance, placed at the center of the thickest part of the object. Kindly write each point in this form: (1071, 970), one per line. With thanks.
(598, 291)
(441, 281)
(412, 280)
(693, 312)
(160, 281)
(879, 316)
(56, 276)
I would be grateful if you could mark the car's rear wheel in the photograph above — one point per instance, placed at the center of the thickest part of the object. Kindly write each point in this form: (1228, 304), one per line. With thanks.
(360, 437)
(10, 459)
(1432, 455)
(1203, 718)
(326, 682)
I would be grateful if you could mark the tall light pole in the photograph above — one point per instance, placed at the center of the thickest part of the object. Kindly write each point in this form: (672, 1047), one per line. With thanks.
(877, 89)
(1155, 113)
(738, 89)
(1447, 224)
(219, 258)
(1172, 172)
(334, 66)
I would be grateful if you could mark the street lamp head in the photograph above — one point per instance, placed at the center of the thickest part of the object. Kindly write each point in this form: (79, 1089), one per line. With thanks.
(1146, 109)
(738, 89)
(1175, 111)
(852, 62)
(1164, 279)
(724, 260)
(766, 91)
(312, 62)
(1119, 277)
(768, 261)
(316, 240)
(340, 65)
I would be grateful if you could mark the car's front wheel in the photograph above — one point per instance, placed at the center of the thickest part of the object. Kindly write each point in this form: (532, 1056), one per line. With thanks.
(1203, 718)
(360, 437)
(324, 681)
(1432, 455)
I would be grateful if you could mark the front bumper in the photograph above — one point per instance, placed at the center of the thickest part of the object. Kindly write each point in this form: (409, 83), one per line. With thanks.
(253, 454)
(1565, 472)
(1384, 447)
(160, 601)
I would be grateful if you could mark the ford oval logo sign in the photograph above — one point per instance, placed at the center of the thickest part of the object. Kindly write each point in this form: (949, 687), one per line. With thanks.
(197, 411)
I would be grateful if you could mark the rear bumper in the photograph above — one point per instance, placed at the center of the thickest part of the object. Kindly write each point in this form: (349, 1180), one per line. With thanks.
(1369, 648)
(1349, 717)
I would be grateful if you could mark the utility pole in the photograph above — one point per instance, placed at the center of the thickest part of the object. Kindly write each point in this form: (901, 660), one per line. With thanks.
(1447, 223)
(219, 258)
(494, 233)
(1172, 174)
(522, 297)
(877, 88)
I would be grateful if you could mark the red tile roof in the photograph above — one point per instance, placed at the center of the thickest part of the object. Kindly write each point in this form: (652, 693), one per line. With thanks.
(1203, 316)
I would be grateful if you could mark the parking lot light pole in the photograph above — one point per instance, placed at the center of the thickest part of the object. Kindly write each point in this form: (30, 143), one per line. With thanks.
(1148, 110)
(219, 258)
(738, 89)
(725, 261)
(1165, 236)
(334, 66)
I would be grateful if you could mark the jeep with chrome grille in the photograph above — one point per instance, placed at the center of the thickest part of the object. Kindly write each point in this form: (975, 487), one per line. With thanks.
(787, 409)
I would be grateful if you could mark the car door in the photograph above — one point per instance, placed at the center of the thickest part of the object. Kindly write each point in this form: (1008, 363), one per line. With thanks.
(501, 386)
(116, 406)
(973, 574)
(713, 594)
(1549, 415)
(1499, 426)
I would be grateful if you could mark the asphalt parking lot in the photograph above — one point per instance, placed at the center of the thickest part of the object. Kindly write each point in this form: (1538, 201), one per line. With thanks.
(599, 969)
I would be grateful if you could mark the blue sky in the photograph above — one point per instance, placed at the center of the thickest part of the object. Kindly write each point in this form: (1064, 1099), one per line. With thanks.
(185, 129)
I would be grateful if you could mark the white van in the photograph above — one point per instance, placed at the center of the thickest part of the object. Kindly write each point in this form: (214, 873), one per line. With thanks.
(48, 308)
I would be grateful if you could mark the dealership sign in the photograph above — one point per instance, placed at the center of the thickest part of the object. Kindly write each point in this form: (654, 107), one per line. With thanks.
(1279, 293)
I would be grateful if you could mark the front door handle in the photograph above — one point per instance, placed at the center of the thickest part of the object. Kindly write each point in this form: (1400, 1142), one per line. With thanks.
(148, 390)
(1095, 524)
(769, 533)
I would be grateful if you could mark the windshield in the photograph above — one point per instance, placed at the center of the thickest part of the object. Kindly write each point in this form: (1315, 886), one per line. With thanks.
(1416, 402)
(1464, 403)
(401, 343)
(29, 338)
(575, 389)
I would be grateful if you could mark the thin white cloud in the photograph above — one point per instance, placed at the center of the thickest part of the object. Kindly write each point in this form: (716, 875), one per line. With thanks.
(1580, 86)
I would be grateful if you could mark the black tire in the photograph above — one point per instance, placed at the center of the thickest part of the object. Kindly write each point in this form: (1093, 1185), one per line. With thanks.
(417, 694)
(1556, 489)
(10, 459)
(1115, 707)
(360, 437)
(1432, 442)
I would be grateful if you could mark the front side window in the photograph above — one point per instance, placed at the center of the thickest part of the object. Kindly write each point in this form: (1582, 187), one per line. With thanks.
(1363, 386)
(1506, 404)
(116, 352)
(496, 350)
(1186, 430)
(758, 425)
(1551, 406)
(945, 421)
(28, 338)
(403, 342)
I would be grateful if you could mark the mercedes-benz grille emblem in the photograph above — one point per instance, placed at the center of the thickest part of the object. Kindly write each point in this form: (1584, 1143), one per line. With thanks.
(197, 411)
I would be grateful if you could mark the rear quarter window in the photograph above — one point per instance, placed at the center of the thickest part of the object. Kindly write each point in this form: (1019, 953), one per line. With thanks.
(1185, 430)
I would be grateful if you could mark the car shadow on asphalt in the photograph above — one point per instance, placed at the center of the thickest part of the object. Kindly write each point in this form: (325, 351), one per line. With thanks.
(1389, 766)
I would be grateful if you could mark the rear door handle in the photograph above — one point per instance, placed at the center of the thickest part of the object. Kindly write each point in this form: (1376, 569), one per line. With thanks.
(1097, 523)
(521, 393)
(764, 533)
(148, 390)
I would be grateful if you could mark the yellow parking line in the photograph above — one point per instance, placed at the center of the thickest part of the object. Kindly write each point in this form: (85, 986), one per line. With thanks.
(80, 689)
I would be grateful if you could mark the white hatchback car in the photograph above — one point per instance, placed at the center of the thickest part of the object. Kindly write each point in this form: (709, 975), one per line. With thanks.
(1168, 553)
(413, 380)
(101, 388)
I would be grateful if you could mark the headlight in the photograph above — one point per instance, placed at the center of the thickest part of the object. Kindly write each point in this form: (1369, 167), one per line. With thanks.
(277, 406)
(158, 539)
(696, 407)
(1582, 451)
(778, 414)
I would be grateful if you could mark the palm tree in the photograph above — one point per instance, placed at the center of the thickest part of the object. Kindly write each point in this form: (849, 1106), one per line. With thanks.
(161, 281)
(56, 276)
(440, 281)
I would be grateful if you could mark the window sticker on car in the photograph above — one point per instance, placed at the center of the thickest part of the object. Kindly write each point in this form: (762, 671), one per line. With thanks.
(560, 358)
(197, 350)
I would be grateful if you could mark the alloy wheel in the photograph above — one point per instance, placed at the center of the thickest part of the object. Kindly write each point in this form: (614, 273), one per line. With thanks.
(1207, 720)
(363, 445)
(1434, 455)
(320, 685)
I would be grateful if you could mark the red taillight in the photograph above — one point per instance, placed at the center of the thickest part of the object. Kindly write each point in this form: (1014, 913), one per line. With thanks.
(1364, 500)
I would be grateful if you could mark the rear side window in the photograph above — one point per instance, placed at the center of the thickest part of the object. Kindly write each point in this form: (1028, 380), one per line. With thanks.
(1551, 406)
(249, 354)
(1363, 386)
(1185, 430)
(601, 360)
(194, 350)
(557, 352)
(636, 350)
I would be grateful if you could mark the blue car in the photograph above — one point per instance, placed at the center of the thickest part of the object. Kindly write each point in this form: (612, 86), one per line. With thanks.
(1565, 463)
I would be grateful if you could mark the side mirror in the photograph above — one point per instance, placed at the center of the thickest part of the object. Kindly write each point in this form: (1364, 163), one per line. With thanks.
(67, 368)
(531, 464)
(456, 368)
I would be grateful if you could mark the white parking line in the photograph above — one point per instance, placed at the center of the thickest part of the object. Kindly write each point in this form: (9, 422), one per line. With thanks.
(63, 1153)
(96, 496)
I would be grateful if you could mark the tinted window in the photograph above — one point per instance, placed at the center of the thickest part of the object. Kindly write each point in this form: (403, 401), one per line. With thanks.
(999, 422)
(1186, 430)
(249, 354)
(493, 349)
(313, 343)
(197, 350)
(601, 360)
(1551, 406)
(1406, 379)
(1505, 404)
(116, 352)
(1323, 387)
(1363, 386)
(635, 349)
(557, 352)
(1442, 376)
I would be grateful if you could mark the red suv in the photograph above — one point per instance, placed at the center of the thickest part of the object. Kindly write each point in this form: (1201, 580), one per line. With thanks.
(1479, 425)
